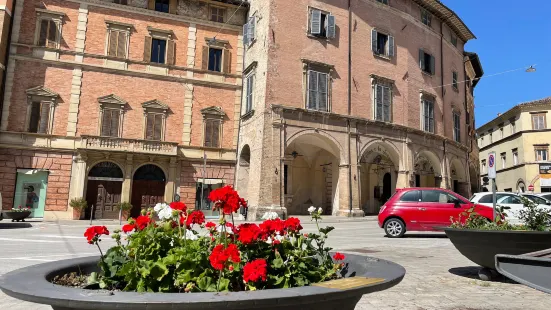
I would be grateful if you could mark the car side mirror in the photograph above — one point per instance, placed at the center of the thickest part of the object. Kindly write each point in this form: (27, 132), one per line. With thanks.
(548, 203)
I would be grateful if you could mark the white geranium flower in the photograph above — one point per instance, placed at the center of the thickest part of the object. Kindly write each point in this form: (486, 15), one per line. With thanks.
(270, 216)
(320, 210)
(158, 207)
(190, 235)
(269, 240)
(311, 209)
(228, 229)
(165, 213)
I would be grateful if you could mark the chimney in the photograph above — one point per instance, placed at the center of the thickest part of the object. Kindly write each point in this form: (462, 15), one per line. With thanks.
(498, 114)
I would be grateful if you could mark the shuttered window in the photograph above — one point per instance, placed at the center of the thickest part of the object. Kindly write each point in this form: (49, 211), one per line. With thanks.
(154, 126)
(426, 62)
(48, 33)
(249, 31)
(249, 93)
(215, 59)
(162, 6)
(383, 103)
(40, 117)
(322, 24)
(212, 132)
(538, 121)
(382, 44)
(318, 90)
(110, 123)
(427, 115)
(454, 80)
(457, 127)
(117, 43)
(158, 51)
(426, 17)
(217, 14)
(161, 51)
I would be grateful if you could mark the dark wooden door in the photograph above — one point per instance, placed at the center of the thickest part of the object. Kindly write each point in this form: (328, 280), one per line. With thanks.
(387, 187)
(103, 195)
(146, 194)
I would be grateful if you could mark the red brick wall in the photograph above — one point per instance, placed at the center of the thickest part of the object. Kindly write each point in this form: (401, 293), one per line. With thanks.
(59, 165)
(205, 97)
(192, 173)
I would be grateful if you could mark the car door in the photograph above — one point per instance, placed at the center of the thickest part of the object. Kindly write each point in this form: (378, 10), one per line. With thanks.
(514, 204)
(409, 209)
(437, 207)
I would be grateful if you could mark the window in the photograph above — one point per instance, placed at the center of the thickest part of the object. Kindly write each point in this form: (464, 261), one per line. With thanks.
(40, 117)
(383, 102)
(508, 199)
(383, 1)
(123, 2)
(454, 80)
(49, 33)
(491, 137)
(488, 198)
(453, 39)
(503, 160)
(162, 5)
(212, 133)
(110, 123)
(249, 33)
(158, 51)
(155, 113)
(536, 199)
(483, 162)
(217, 14)
(501, 132)
(215, 59)
(538, 121)
(117, 41)
(426, 62)
(427, 108)
(513, 127)
(249, 93)
(322, 24)
(456, 127)
(481, 140)
(318, 90)
(285, 178)
(411, 196)
(437, 196)
(382, 44)
(541, 153)
(426, 17)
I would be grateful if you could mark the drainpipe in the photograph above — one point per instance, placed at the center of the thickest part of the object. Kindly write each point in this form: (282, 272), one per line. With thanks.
(6, 59)
(349, 104)
(239, 126)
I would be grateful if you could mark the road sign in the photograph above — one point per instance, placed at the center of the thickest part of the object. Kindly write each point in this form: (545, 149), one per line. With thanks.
(492, 165)
(531, 188)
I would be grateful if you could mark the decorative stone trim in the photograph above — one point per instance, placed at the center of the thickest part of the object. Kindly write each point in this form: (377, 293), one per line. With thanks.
(188, 106)
(41, 94)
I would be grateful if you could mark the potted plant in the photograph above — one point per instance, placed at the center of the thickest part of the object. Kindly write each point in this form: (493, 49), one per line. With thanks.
(18, 214)
(124, 209)
(480, 240)
(273, 265)
(79, 205)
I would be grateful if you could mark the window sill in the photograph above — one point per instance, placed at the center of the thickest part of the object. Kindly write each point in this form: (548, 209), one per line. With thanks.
(455, 89)
(427, 74)
(382, 56)
(319, 37)
(247, 115)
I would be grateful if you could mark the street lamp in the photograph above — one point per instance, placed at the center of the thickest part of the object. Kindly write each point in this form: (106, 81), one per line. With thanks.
(531, 69)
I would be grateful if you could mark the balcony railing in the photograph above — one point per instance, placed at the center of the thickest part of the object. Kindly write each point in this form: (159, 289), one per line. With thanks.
(129, 145)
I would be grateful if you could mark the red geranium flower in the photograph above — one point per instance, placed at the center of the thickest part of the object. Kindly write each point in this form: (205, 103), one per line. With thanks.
(269, 227)
(94, 232)
(226, 199)
(292, 224)
(210, 225)
(338, 257)
(248, 233)
(221, 257)
(142, 222)
(255, 271)
(177, 205)
(128, 228)
(196, 217)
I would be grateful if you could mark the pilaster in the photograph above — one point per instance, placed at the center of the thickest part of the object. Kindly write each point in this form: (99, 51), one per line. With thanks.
(78, 177)
(127, 182)
(238, 92)
(169, 188)
(188, 96)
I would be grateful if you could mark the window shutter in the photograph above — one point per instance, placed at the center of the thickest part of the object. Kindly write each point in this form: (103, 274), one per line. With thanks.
(322, 91)
(387, 99)
(227, 61)
(215, 133)
(158, 128)
(112, 45)
(312, 89)
(151, 4)
(251, 29)
(245, 34)
(205, 61)
(43, 32)
(250, 85)
(44, 117)
(315, 21)
(379, 102)
(330, 26)
(432, 68)
(115, 123)
(173, 6)
(170, 52)
(35, 117)
(391, 46)
(147, 49)
(106, 123)
(208, 133)
(52, 34)
(422, 59)
(121, 44)
(150, 122)
(374, 41)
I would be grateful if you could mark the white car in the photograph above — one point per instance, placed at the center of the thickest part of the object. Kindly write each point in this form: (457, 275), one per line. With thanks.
(545, 195)
(510, 200)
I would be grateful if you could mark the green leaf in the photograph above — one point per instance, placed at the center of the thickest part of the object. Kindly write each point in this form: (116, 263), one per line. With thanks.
(92, 279)
(277, 263)
(158, 271)
(224, 285)
(206, 284)
(183, 277)
(327, 229)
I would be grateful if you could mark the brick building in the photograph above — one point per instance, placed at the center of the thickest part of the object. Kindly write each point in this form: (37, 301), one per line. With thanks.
(347, 100)
(120, 100)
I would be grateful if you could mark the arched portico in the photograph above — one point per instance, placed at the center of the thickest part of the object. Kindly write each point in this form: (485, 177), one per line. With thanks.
(427, 170)
(148, 187)
(103, 189)
(458, 174)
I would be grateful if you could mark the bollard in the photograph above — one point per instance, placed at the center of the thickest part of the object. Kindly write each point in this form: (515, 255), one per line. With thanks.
(91, 215)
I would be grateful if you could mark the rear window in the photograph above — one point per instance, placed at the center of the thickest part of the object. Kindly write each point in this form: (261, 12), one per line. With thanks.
(488, 198)
(536, 199)
(548, 196)
(410, 196)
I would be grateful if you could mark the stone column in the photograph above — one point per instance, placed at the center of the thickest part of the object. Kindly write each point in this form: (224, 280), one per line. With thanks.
(78, 177)
(169, 188)
(127, 183)
(356, 204)
(403, 179)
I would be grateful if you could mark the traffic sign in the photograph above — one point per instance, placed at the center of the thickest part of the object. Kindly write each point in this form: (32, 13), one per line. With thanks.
(492, 165)
(531, 187)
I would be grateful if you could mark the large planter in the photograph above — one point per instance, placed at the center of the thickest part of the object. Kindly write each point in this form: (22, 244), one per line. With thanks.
(531, 269)
(481, 246)
(17, 216)
(32, 284)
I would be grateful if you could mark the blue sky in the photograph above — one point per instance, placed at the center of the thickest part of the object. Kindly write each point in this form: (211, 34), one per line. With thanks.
(510, 35)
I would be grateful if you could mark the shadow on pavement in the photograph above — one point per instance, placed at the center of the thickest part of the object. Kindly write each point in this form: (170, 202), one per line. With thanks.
(15, 225)
(426, 236)
(471, 272)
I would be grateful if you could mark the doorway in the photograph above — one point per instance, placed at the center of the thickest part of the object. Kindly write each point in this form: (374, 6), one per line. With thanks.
(387, 187)
(148, 188)
(202, 193)
(103, 191)
(30, 191)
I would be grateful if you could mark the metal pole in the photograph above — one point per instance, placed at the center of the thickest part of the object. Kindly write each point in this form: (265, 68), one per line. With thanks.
(120, 216)
(494, 196)
(91, 215)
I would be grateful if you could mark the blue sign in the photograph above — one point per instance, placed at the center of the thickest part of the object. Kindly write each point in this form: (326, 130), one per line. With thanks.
(491, 161)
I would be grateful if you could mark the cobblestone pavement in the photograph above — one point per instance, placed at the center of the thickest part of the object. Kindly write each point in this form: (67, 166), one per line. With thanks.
(438, 277)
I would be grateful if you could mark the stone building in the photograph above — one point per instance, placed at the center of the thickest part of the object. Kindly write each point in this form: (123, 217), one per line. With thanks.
(120, 100)
(344, 104)
(473, 72)
(520, 138)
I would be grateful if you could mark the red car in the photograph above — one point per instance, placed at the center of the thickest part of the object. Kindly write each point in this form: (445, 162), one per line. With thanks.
(424, 209)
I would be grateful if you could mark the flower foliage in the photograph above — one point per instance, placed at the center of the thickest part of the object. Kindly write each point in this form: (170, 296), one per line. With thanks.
(180, 252)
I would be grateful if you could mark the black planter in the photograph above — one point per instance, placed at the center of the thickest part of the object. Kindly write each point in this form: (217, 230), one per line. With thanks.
(17, 216)
(481, 246)
(531, 269)
(31, 284)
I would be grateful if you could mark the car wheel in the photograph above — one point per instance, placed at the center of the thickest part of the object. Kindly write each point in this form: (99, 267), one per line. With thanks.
(395, 228)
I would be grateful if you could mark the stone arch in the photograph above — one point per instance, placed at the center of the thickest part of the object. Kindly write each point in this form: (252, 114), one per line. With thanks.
(243, 169)
(474, 178)
(103, 189)
(427, 169)
(521, 185)
(433, 158)
(334, 146)
(147, 191)
(245, 155)
(153, 164)
(96, 162)
(388, 146)
(458, 177)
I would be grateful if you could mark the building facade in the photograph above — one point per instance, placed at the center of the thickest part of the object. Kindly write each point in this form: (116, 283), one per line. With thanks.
(473, 72)
(344, 104)
(520, 138)
(120, 101)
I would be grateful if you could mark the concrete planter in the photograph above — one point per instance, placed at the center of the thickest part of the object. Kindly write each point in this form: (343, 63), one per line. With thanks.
(365, 275)
(17, 216)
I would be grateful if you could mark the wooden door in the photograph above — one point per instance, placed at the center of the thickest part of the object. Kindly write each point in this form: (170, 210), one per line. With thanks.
(146, 194)
(103, 195)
